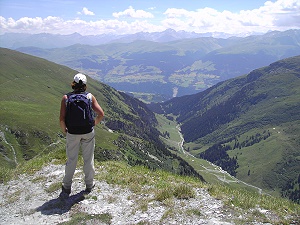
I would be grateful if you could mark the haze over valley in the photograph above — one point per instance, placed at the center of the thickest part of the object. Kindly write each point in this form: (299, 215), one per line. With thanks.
(156, 71)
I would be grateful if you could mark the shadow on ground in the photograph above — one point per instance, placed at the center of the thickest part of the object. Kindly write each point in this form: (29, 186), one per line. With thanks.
(60, 206)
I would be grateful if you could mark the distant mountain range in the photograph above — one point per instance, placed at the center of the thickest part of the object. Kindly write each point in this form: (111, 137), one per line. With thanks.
(249, 125)
(45, 40)
(158, 71)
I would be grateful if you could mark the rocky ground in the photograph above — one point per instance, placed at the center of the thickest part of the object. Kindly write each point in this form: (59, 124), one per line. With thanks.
(34, 200)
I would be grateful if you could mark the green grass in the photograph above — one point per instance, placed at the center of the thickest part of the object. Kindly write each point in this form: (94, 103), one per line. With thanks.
(249, 200)
(35, 116)
(259, 162)
(84, 218)
(12, 197)
(54, 187)
(169, 126)
(184, 191)
(181, 191)
(30, 167)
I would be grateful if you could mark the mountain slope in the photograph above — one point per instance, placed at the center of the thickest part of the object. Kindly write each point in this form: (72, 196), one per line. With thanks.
(31, 91)
(254, 52)
(248, 125)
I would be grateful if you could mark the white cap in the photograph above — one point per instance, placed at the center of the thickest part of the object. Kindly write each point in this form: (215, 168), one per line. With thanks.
(80, 77)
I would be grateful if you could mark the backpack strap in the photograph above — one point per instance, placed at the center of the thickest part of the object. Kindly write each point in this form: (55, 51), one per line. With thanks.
(68, 95)
(89, 96)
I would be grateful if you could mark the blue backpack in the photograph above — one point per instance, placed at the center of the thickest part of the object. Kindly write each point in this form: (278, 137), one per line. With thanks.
(79, 110)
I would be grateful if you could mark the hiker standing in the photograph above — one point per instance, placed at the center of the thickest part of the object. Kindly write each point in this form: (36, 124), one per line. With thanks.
(77, 123)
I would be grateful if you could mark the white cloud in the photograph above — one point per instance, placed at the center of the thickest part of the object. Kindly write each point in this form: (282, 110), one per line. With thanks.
(279, 15)
(131, 12)
(286, 13)
(86, 12)
(58, 26)
(26, 24)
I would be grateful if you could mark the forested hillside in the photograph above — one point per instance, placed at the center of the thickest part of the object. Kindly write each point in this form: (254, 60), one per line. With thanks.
(250, 126)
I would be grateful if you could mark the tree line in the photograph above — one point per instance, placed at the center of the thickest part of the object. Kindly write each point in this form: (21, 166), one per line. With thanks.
(217, 153)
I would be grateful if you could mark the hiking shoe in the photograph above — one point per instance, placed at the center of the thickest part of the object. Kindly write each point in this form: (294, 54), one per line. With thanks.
(64, 194)
(89, 190)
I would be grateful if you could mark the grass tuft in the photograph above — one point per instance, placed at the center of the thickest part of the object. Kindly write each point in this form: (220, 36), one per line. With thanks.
(163, 194)
(54, 187)
(184, 191)
(83, 218)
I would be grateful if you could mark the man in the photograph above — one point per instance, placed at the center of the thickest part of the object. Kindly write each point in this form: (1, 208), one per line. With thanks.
(79, 133)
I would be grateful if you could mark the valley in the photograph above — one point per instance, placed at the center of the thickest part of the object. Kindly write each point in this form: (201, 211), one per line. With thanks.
(210, 172)
(248, 126)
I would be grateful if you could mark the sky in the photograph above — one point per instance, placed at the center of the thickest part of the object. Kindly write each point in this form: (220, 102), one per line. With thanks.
(94, 17)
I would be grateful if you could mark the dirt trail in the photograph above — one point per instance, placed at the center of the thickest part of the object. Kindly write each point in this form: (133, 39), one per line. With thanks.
(2, 136)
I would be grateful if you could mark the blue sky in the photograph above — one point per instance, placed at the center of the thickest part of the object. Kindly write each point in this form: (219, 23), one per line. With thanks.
(91, 17)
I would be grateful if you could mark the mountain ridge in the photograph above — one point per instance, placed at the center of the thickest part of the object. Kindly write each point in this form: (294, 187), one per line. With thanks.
(16, 40)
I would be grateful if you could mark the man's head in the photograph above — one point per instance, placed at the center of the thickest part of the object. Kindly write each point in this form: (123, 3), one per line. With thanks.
(79, 83)
(80, 77)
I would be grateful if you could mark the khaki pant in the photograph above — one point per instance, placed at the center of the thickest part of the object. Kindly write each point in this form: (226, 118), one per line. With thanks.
(87, 144)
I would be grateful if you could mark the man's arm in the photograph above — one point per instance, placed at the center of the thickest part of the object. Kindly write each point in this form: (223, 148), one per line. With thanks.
(62, 115)
(98, 110)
